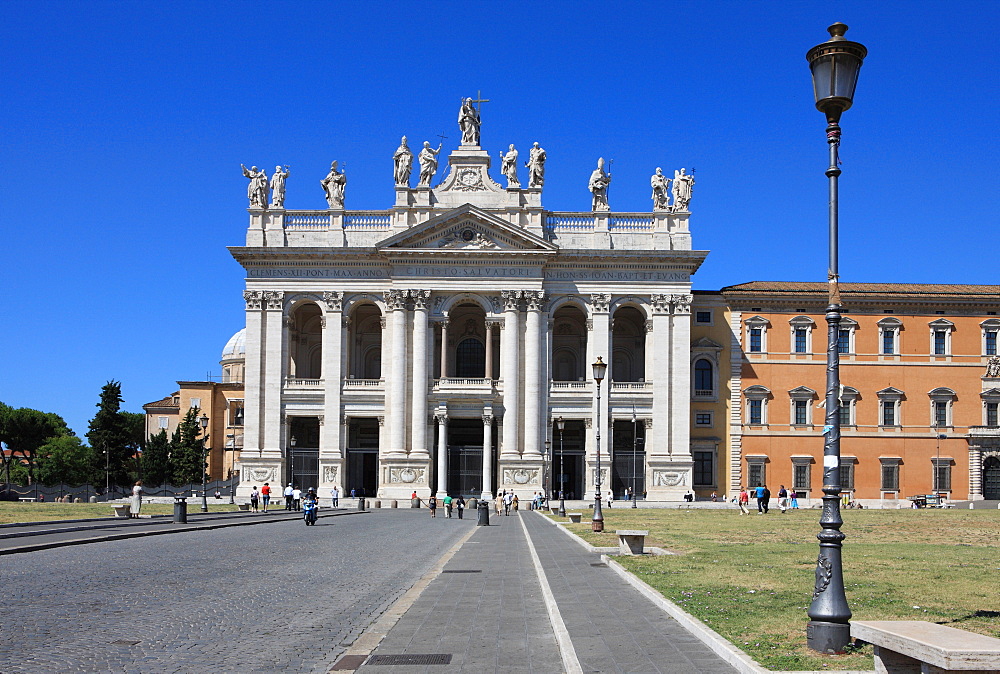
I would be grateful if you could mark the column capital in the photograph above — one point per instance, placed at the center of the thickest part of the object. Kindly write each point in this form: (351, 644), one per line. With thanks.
(274, 299)
(487, 420)
(682, 303)
(600, 303)
(395, 300)
(661, 304)
(511, 299)
(334, 300)
(534, 299)
(441, 417)
(253, 298)
(420, 298)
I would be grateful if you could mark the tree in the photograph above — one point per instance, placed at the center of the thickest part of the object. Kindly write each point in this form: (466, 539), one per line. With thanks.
(135, 428)
(24, 431)
(65, 459)
(186, 450)
(156, 465)
(111, 436)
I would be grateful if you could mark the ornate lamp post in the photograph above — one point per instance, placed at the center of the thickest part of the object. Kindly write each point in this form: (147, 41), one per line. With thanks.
(204, 467)
(561, 425)
(597, 523)
(291, 461)
(835, 65)
(547, 473)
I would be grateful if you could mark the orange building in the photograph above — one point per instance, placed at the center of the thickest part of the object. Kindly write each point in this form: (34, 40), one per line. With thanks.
(919, 407)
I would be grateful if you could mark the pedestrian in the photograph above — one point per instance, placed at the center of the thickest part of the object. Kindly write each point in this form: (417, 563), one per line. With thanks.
(288, 496)
(136, 500)
(460, 505)
(354, 492)
(715, 497)
(447, 500)
(254, 499)
(296, 498)
(514, 501)
(508, 500)
(498, 502)
(432, 504)
(611, 498)
(334, 497)
(765, 500)
(265, 495)
(743, 501)
(759, 495)
(782, 499)
(794, 497)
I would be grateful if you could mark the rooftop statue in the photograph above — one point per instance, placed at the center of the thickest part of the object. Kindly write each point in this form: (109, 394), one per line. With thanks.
(661, 191)
(599, 181)
(278, 187)
(333, 186)
(403, 161)
(257, 189)
(536, 166)
(469, 122)
(508, 164)
(428, 164)
(682, 190)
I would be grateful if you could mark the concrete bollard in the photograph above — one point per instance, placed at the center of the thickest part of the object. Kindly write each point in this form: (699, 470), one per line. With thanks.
(377, 503)
(393, 503)
(414, 503)
(473, 503)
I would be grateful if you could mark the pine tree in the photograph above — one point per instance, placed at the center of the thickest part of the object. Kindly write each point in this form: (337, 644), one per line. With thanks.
(156, 467)
(110, 436)
(186, 450)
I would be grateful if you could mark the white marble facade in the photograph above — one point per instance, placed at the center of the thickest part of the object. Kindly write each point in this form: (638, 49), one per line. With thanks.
(465, 315)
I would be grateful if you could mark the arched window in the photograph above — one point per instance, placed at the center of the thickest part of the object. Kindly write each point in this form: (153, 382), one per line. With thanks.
(704, 379)
(470, 358)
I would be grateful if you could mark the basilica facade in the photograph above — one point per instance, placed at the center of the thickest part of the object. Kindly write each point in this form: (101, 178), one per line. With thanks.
(436, 346)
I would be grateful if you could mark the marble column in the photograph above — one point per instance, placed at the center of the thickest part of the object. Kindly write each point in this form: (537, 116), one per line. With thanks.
(442, 454)
(333, 334)
(395, 301)
(273, 379)
(532, 374)
(509, 372)
(252, 405)
(488, 370)
(487, 455)
(418, 428)
(658, 444)
(680, 375)
(444, 348)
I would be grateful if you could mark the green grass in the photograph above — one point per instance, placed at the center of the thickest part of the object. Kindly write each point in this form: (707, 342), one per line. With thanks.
(47, 512)
(751, 578)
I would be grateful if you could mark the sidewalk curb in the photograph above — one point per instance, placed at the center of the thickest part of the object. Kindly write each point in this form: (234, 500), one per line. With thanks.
(715, 641)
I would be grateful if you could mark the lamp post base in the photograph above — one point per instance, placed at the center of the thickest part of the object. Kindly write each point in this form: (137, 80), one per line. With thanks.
(597, 523)
(827, 637)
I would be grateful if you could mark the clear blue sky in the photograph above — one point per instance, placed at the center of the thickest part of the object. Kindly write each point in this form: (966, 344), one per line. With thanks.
(125, 124)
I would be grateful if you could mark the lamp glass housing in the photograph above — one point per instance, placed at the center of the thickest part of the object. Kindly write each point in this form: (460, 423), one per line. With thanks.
(561, 424)
(600, 368)
(835, 65)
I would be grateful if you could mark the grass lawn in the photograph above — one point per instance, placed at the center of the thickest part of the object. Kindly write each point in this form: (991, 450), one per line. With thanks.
(751, 578)
(45, 512)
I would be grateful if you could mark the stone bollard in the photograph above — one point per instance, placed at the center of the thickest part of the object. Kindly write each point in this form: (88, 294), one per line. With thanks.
(377, 503)
(393, 503)
(473, 503)
(483, 509)
(93, 499)
(361, 503)
(414, 503)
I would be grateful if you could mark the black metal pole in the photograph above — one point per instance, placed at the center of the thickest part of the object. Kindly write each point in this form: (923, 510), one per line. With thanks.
(204, 486)
(635, 442)
(829, 629)
(562, 477)
(597, 523)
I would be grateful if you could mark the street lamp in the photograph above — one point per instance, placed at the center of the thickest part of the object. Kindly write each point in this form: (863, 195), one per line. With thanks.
(548, 474)
(291, 462)
(835, 65)
(561, 425)
(635, 444)
(204, 487)
(597, 523)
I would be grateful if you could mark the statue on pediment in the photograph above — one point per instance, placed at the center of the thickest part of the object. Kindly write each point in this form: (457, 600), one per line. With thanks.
(278, 187)
(661, 191)
(403, 164)
(508, 164)
(333, 185)
(257, 189)
(428, 164)
(598, 185)
(683, 183)
(469, 122)
(536, 166)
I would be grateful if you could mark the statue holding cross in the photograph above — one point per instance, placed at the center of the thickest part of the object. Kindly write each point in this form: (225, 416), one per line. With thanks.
(469, 120)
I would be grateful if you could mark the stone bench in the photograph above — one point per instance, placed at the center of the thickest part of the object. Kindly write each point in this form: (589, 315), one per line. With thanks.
(122, 510)
(244, 506)
(631, 541)
(574, 517)
(919, 647)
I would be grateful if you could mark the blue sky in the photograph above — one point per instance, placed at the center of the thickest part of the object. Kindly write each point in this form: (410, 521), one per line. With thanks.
(125, 124)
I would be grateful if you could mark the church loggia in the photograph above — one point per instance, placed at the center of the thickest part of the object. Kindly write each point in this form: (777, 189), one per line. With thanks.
(434, 346)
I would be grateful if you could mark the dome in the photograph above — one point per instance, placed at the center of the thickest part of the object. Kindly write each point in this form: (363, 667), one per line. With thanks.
(236, 346)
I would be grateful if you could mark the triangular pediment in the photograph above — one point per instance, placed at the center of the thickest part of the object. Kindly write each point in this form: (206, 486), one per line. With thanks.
(466, 229)
(706, 344)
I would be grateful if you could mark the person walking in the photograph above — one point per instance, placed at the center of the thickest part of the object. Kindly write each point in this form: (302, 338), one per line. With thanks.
(759, 495)
(498, 502)
(508, 500)
(765, 500)
(782, 499)
(447, 500)
(611, 498)
(335, 497)
(288, 496)
(254, 499)
(432, 505)
(265, 495)
(514, 502)
(794, 497)
(743, 501)
(296, 498)
(136, 500)
(460, 505)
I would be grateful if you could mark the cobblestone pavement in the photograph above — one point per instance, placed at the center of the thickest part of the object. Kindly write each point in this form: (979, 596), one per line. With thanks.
(267, 598)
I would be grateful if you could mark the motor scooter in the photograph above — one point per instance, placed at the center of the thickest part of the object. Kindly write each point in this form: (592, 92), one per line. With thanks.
(309, 508)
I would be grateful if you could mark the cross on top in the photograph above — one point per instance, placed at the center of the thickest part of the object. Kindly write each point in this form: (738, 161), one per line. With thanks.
(479, 99)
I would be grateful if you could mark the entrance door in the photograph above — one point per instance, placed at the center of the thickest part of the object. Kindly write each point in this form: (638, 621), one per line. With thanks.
(991, 479)
(629, 458)
(465, 470)
(362, 457)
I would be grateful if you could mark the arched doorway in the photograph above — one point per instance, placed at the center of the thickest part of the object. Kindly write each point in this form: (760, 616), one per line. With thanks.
(305, 348)
(365, 343)
(991, 478)
(569, 344)
(628, 345)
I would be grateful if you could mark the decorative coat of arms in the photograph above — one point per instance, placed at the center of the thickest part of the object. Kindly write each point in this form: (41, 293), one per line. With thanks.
(520, 476)
(407, 475)
(469, 180)
(666, 478)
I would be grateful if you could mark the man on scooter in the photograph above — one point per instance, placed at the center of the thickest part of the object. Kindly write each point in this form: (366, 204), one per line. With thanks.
(310, 505)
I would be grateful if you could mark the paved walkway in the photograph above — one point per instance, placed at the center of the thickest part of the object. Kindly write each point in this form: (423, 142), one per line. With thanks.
(488, 611)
